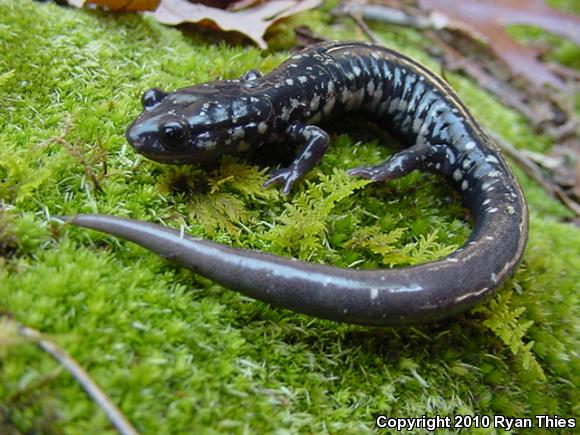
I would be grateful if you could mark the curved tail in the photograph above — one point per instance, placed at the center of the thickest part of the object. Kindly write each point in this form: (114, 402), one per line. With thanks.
(397, 296)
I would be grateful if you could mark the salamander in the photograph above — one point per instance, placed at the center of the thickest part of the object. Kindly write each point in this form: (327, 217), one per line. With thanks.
(201, 123)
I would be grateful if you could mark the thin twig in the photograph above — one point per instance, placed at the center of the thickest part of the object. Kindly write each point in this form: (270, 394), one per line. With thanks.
(73, 151)
(365, 29)
(384, 15)
(117, 419)
(532, 170)
(567, 201)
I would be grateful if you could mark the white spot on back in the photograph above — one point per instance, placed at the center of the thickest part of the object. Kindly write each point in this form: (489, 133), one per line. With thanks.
(330, 86)
(488, 185)
(315, 102)
(294, 103)
(285, 115)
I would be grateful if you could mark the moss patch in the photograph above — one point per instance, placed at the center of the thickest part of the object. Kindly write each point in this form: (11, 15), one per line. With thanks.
(178, 353)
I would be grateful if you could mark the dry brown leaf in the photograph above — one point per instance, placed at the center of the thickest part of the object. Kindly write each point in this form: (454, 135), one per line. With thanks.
(249, 17)
(252, 22)
(118, 5)
(485, 19)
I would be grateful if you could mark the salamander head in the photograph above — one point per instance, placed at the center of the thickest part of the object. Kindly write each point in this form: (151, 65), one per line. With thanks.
(197, 124)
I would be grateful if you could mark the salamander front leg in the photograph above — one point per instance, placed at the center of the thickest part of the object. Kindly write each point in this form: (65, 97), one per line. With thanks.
(421, 156)
(315, 142)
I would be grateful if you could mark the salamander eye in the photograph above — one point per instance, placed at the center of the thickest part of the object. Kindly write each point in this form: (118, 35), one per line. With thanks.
(173, 134)
(152, 97)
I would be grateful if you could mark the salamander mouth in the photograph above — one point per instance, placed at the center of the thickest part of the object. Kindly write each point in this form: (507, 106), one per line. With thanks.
(152, 149)
(169, 159)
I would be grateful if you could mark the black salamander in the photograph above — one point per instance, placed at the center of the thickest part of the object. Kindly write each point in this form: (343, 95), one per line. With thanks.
(201, 123)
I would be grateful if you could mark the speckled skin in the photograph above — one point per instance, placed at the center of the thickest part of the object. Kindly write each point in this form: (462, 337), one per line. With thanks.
(326, 81)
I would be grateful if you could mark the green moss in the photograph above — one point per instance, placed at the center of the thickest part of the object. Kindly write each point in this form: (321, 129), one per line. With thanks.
(180, 354)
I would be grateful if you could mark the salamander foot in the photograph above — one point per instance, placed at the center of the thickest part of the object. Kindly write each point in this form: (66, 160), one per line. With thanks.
(402, 163)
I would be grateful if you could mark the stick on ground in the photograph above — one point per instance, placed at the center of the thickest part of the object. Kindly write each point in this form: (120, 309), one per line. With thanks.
(117, 419)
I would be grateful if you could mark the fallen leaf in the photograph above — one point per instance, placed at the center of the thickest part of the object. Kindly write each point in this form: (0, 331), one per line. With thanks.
(252, 22)
(485, 19)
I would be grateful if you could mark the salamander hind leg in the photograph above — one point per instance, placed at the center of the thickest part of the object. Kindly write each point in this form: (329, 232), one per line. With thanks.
(421, 156)
(315, 142)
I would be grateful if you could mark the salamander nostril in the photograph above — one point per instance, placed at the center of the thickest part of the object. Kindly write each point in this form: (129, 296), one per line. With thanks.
(142, 135)
(132, 137)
